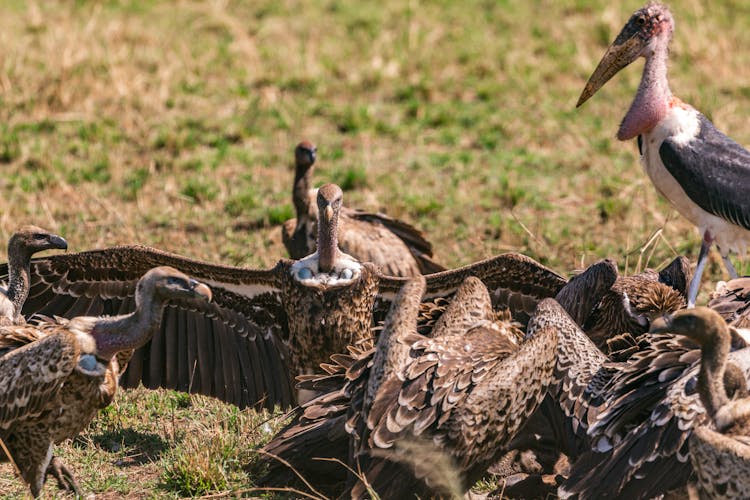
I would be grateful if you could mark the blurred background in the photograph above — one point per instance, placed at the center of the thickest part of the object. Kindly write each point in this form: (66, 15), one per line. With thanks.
(173, 124)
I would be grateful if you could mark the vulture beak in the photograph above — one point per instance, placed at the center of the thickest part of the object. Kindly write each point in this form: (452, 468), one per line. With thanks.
(58, 242)
(201, 290)
(626, 48)
(661, 324)
(328, 214)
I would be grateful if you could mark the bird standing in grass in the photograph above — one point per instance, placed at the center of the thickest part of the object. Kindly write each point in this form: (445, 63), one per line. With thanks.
(397, 248)
(702, 172)
(56, 374)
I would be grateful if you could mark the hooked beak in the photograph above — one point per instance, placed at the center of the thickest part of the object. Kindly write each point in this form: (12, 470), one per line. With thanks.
(201, 290)
(622, 52)
(58, 242)
(661, 324)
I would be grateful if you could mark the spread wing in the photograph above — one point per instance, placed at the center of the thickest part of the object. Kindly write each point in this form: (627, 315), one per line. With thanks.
(640, 437)
(584, 291)
(229, 348)
(515, 281)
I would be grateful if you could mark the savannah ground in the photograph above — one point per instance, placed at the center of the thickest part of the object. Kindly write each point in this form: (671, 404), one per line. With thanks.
(172, 124)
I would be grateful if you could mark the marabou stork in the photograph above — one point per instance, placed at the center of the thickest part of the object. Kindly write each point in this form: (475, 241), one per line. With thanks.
(701, 171)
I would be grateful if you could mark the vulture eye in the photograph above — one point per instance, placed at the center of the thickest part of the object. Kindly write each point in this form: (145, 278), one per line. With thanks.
(173, 280)
(640, 20)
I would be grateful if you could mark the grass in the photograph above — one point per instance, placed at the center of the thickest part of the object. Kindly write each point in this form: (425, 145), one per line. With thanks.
(172, 124)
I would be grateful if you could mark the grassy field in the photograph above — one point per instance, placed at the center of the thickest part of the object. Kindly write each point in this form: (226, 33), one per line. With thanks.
(172, 124)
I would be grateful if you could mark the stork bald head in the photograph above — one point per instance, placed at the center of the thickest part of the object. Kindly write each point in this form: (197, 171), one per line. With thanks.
(648, 26)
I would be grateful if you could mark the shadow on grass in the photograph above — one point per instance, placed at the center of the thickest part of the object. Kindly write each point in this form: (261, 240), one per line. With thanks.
(139, 447)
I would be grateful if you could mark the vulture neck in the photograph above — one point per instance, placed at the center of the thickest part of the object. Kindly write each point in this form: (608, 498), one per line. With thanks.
(328, 242)
(130, 331)
(19, 280)
(390, 352)
(301, 190)
(711, 375)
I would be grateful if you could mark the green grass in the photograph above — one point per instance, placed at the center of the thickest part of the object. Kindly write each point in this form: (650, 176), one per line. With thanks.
(172, 124)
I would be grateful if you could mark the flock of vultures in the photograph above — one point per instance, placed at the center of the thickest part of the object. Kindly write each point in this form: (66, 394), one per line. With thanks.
(404, 378)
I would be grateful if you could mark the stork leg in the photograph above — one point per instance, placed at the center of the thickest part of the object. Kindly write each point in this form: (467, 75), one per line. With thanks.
(730, 267)
(695, 283)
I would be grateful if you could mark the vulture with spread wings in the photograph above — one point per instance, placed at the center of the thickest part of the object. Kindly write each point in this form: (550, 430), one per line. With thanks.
(237, 347)
(263, 327)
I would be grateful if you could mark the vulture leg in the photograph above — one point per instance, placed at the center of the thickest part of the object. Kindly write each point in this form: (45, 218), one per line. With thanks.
(31, 449)
(65, 479)
(695, 283)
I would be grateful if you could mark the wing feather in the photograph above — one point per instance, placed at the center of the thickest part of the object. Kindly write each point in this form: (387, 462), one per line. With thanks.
(200, 347)
(710, 168)
(31, 375)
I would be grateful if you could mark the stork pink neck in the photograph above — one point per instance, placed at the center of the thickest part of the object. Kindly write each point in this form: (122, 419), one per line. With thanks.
(652, 101)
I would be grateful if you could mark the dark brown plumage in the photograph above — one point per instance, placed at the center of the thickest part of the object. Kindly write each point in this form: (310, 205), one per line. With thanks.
(584, 291)
(56, 374)
(720, 448)
(300, 235)
(397, 248)
(236, 348)
(634, 301)
(330, 424)
(578, 378)
(516, 283)
(641, 414)
(460, 400)
(23, 244)
(364, 394)
(731, 300)
(559, 426)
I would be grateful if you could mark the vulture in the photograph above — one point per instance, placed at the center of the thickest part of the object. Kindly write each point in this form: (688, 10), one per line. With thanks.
(636, 300)
(326, 425)
(720, 454)
(55, 374)
(550, 431)
(415, 394)
(23, 244)
(719, 448)
(462, 395)
(397, 248)
(634, 419)
(263, 327)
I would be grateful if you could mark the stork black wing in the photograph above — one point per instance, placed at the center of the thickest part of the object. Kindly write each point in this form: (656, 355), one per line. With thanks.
(714, 172)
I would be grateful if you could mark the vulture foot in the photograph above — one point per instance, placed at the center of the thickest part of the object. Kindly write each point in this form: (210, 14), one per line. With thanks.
(65, 479)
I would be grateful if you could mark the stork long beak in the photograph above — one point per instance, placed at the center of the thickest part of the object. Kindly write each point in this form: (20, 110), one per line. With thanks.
(624, 50)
